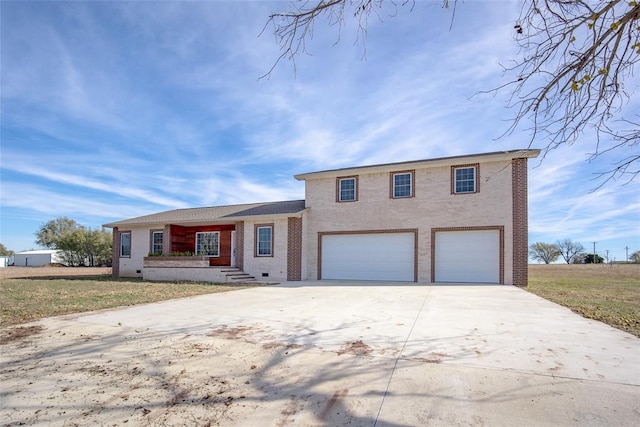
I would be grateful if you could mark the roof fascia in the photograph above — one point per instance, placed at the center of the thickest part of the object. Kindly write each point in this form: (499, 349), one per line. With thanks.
(157, 224)
(427, 163)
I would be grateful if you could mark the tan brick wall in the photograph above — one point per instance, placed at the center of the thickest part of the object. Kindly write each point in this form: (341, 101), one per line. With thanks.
(433, 206)
(275, 266)
(195, 274)
(178, 261)
(132, 266)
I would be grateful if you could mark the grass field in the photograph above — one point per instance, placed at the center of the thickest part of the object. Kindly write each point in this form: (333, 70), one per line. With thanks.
(608, 293)
(28, 294)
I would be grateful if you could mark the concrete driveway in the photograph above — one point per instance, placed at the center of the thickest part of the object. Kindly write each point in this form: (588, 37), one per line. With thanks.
(332, 353)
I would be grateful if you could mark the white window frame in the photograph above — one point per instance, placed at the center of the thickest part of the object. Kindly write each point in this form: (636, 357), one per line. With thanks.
(258, 248)
(217, 247)
(154, 244)
(394, 187)
(355, 188)
(126, 234)
(475, 179)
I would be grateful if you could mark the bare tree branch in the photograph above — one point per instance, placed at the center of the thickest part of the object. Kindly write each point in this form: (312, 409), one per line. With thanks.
(293, 28)
(569, 81)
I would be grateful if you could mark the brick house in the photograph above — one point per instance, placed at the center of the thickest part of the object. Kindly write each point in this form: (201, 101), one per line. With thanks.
(458, 219)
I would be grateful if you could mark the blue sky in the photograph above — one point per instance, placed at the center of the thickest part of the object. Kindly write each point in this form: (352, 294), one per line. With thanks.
(112, 110)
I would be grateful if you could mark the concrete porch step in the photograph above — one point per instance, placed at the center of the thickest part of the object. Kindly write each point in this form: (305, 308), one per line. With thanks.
(237, 275)
(243, 278)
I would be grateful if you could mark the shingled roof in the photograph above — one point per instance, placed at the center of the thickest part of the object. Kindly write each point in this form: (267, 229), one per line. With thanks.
(276, 208)
(213, 213)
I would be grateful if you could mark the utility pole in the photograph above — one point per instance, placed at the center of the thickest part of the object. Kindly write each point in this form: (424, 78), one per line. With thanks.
(607, 256)
(595, 260)
(626, 248)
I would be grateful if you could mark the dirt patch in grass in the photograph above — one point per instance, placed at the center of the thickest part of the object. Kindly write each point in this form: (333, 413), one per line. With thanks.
(609, 293)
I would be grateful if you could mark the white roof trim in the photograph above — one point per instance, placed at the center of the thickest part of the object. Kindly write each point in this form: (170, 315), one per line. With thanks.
(426, 163)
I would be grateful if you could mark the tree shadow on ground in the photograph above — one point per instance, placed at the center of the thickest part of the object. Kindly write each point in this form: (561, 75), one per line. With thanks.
(221, 375)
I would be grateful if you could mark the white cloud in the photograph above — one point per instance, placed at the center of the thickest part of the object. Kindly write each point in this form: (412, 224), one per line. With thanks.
(118, 109)
(40, 200)
(123, 189)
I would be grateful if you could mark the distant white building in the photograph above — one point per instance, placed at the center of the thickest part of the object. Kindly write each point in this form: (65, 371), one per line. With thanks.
(5, 261)
(37, 258)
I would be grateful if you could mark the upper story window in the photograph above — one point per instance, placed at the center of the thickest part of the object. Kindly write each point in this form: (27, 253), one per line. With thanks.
(208, 243)
(464, 179)
(156, 242)
(347, 189)
(125, 244)
(401, 184)
(264, 240)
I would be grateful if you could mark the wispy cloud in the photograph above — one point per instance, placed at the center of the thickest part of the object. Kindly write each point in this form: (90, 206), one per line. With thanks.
(39, 199)
(116, 109)
(112, 186)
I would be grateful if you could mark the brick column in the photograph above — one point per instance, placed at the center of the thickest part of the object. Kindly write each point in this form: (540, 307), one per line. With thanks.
(294, 249)
(520, 222)
(240, 245)
(115, 253)
(166, 240)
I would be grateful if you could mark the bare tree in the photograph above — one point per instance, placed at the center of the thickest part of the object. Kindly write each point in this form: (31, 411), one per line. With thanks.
(575, 57)
(569, 249)
(544, 252)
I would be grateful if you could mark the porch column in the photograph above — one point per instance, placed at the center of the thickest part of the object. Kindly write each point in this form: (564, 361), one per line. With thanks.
(294, 249)
(115, 253)
(239, 244)
(166, 240)
(520, 222)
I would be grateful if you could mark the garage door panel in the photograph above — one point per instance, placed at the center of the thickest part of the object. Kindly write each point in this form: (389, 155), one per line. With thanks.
(380, 256)
(467, 256)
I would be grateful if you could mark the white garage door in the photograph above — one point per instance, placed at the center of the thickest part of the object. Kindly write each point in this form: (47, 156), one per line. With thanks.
(467, 256)
(380, 256)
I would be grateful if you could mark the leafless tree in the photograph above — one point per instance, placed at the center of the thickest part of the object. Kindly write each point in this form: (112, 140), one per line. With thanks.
(544, 252)
(569, 78)
(569, 249)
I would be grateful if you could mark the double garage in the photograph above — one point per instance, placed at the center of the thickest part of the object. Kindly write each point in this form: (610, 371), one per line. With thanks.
(459, 255)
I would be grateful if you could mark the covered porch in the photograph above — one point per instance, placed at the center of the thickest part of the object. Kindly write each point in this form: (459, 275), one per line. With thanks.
(202, 253)
(215, 243)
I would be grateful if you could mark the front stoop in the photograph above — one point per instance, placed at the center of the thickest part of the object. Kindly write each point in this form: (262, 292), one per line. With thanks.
(236, 275)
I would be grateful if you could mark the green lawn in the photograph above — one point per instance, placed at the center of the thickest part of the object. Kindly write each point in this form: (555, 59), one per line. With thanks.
(27, 299)
(608, 293)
